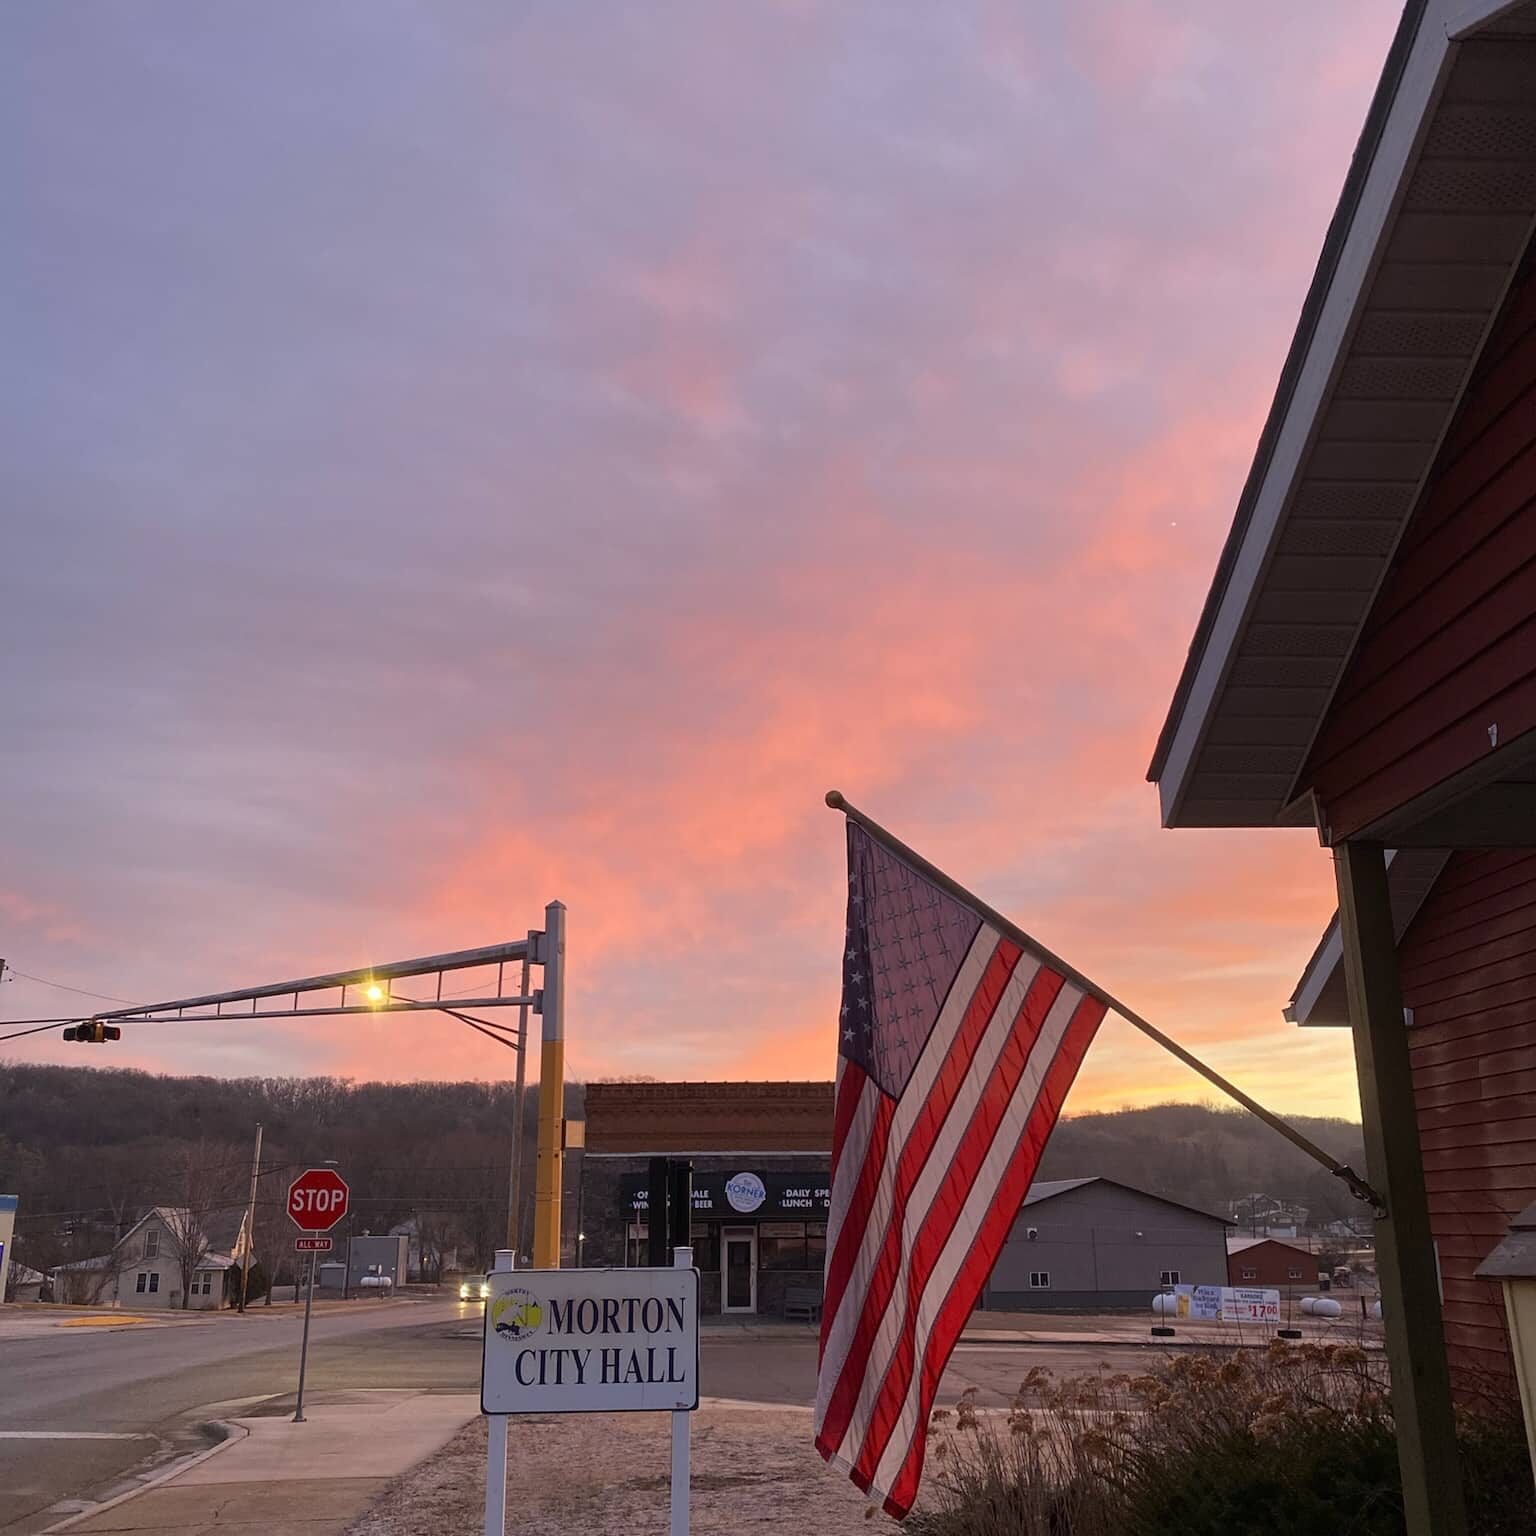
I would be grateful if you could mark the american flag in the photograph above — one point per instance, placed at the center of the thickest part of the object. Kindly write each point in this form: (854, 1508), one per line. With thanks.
(957, 1046)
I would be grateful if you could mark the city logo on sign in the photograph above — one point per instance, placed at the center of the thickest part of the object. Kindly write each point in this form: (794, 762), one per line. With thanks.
(517, 1314)
(745, 1192)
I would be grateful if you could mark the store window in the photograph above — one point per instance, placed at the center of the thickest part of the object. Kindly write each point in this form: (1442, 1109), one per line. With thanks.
(792, 1245)
(706, 1246)
(1169, 1277)
(1039, 1279)
(1295, 1274)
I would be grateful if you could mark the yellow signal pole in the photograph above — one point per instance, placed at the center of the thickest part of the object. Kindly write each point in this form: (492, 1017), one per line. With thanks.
(546, 1211)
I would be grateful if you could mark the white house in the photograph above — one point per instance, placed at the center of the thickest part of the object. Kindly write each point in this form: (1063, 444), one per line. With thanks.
(153, 1259)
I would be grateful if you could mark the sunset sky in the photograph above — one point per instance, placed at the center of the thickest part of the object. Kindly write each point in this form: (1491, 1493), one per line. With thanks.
(461, 455)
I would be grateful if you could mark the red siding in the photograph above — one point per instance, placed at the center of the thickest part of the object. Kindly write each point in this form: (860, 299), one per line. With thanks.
(1450, 646)
(1468, 966)
(1272, 1262)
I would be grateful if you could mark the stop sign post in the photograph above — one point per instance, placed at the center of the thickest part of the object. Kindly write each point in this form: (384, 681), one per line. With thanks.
(317, 1200)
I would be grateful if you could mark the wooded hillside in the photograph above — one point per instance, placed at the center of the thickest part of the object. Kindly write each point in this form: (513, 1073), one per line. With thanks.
(89, 1149)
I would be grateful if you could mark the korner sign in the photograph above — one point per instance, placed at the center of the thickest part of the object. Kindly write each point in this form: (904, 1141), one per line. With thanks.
(591, 1341)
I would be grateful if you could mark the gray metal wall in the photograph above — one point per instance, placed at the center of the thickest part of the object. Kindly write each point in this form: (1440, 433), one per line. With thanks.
(1087, 1240)
(391, 1253)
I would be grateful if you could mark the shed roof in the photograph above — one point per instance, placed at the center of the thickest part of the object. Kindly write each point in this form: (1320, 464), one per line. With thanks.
(1049, 1189)
(1243, 1244)
(1430, 230)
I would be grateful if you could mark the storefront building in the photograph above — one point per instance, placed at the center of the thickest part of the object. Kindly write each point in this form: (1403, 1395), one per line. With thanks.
(761, 1155)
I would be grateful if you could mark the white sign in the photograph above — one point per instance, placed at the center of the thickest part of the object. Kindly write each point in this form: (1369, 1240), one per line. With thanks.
(745, 1192)
(591, 1341)
(1228, 1304)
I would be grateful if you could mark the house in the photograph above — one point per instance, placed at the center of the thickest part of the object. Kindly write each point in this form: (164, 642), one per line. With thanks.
(23, 1284)
(1364, 670)
(1265, 1261)
(1094, 1244)
(168, 1250)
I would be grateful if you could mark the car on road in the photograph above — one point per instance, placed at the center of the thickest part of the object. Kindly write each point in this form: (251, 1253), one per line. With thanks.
(474, 1290)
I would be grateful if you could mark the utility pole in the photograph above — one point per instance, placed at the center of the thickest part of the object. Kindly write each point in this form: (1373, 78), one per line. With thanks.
(546, 1215)
(250, 1223)
(515, 1182)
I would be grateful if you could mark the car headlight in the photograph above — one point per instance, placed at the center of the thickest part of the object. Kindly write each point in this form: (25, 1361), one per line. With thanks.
(464, 1292)
(485, 1291)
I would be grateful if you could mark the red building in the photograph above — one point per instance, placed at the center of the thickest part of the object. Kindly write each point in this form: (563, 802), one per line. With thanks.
(1365, 665)
(1466, 927)
(1268, 1262)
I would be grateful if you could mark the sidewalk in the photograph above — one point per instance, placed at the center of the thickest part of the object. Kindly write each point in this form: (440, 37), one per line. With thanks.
(285, 1479)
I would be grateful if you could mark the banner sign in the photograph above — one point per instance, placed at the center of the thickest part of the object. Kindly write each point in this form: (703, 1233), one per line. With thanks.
(591, 1341)
(747, 1192)
(1228, 1304)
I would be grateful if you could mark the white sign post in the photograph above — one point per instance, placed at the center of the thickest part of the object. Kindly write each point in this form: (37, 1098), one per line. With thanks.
(590, 1341)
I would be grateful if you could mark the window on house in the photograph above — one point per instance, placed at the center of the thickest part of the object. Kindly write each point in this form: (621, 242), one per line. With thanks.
(1250, 1274)
(1169, 1277)
(152, 1243)
(142, 1282)
(154, 1280)
(1039, 1279)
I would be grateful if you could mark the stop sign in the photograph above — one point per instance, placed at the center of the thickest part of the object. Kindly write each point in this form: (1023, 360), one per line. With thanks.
(317, 1199)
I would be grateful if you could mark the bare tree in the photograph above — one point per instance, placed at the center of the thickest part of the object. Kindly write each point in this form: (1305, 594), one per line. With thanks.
(201, 1179)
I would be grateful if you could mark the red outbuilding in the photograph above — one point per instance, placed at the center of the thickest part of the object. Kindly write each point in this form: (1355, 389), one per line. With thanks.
(1268, 1262)
(1365, 666)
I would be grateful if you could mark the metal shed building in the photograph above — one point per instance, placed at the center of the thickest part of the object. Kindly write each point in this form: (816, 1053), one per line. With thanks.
(1091, 1244)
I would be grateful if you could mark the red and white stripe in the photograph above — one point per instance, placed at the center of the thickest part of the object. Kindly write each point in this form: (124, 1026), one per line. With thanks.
(924, 1190)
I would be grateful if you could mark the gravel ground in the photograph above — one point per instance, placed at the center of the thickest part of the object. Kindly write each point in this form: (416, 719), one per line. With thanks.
(606, 1475)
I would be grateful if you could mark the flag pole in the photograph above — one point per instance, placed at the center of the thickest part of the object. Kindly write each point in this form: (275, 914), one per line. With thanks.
(1357, 1186)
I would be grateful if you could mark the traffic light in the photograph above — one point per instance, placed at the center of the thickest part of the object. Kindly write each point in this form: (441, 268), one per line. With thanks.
(93, 1032)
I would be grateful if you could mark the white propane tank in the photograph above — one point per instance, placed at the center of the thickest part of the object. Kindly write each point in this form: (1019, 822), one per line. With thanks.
(1308, 1305)
(1376, 1309)
(1322, 1306)
(1164, 1305)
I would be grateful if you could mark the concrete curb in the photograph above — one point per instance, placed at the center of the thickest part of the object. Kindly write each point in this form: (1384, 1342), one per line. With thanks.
(231, 1434)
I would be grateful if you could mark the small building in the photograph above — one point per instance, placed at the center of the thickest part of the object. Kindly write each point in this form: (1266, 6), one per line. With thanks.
(167, 1251)
(1095, 1244)
(762, 1160)
(372, 1257)
(23, 1284)
(1267, 1262)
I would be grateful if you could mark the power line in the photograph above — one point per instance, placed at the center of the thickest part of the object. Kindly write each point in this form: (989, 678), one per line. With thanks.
(64, 986)
(51, 1024)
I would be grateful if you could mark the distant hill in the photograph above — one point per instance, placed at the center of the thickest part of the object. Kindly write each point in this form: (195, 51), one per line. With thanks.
(1208, 1157)
(88, 1149)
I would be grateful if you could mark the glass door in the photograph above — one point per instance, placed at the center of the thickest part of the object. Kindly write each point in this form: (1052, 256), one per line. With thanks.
(738, 1270)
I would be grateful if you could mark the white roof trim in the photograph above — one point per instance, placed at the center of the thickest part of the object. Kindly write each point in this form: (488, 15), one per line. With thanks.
(1470, 18)
(1416, 94)
(1320, 969)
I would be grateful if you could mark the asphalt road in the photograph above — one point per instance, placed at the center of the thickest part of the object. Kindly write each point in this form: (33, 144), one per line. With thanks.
(83, 1408)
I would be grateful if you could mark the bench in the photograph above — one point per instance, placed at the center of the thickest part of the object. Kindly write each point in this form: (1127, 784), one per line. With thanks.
(802, 1303)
